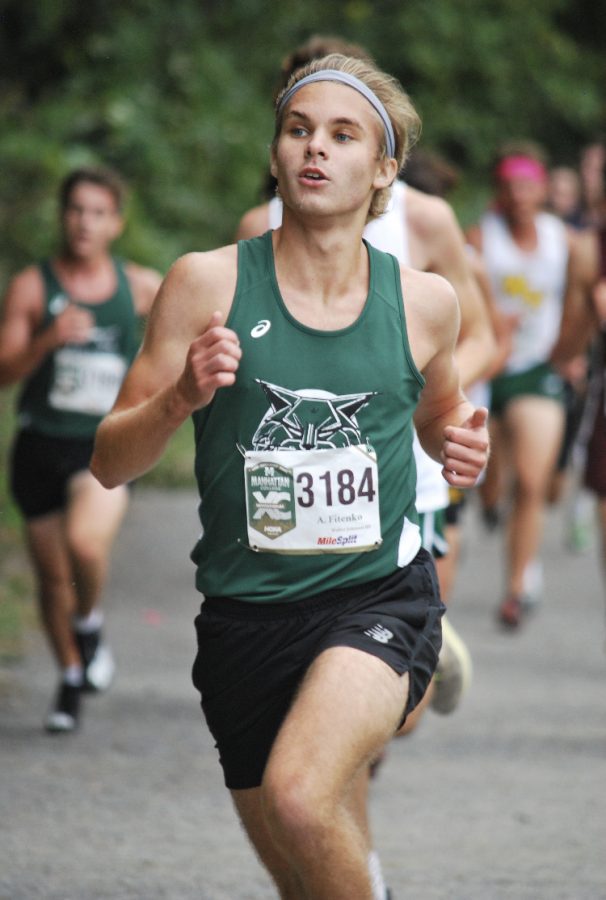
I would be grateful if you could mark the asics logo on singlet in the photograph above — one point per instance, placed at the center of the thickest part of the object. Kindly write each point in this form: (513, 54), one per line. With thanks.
(261, 328)
(379, 633)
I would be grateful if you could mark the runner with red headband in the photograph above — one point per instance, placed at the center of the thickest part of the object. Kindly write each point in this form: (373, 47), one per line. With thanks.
(528, 255)
(521, 166)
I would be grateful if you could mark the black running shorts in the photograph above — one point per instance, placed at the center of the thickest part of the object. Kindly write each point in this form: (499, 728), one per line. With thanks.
(252, 656)
(41, 467)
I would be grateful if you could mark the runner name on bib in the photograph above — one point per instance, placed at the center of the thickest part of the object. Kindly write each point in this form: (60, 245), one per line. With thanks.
(85, 381)
(313, 501)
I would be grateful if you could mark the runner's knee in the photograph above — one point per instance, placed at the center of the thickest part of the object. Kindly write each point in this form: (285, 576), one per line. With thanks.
(532, 485)
(296, 807)
(86, 547)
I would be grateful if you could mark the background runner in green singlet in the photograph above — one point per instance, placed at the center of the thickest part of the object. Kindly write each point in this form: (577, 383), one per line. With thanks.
(69, 331)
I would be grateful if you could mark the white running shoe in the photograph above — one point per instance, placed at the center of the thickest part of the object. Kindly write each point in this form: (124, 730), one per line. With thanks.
(453, 672)
(97, 661)
(100, 671)
(534, 584)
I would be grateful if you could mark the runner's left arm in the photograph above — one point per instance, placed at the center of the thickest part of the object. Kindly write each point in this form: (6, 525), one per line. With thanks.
(450, 428)
(476, 345)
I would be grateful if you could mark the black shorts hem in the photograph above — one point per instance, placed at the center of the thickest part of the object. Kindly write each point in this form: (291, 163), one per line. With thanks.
(41, 466)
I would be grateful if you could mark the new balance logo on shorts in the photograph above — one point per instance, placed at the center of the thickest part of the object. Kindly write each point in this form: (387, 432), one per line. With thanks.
(380, 633)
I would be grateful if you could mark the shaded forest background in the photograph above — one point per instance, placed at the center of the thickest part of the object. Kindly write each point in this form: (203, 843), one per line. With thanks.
(177, 96)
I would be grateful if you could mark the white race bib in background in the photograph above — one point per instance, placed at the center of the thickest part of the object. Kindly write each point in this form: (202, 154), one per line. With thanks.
(86, 381)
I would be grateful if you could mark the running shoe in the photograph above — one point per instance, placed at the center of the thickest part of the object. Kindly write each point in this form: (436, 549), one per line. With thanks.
(579, 537)
(453, 672)
(534, 584)
(63, 717)
(380, 891)
(511, 611)
(97, 661)
(580, 521)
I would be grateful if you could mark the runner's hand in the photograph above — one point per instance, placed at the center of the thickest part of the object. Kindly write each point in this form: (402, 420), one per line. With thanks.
(465, 450)
(212, 362)
(72, 326)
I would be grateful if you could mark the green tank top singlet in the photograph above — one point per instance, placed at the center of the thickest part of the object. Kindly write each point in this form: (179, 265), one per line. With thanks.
(305, 465)
(76, 385)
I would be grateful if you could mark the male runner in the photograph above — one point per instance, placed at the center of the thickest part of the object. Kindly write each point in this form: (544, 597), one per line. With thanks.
(527, 253)
(69, 331)
(584, 327)
(422, 232)
(320, 625)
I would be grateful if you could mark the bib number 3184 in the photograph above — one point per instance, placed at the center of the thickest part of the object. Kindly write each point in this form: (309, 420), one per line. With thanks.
(313, 501)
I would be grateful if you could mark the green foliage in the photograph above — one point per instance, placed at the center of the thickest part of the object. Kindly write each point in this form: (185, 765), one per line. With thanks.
(176, 468)
(9, 519)
(177, 97)
(15, 579)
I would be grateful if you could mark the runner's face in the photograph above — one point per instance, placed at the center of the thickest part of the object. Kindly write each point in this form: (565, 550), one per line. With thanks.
(327, 159)
(91, 220)
(521, 199)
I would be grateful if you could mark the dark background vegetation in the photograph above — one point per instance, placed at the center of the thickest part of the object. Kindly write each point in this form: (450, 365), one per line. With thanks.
(177, 96)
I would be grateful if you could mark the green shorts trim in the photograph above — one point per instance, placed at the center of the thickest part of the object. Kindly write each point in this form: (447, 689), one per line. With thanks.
(540, 381)
(432, 526)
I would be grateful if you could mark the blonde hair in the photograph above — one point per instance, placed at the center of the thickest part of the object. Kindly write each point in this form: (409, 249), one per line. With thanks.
(402, 114)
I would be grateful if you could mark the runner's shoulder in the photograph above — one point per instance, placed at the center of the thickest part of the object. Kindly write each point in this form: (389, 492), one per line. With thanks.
(430, 301)
(144, 283)
(24, 293)
(200, 281)
(253, 223)
(426, 212)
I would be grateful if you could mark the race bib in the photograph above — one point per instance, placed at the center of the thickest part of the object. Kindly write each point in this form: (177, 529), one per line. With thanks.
(86, 382)
(313, 501)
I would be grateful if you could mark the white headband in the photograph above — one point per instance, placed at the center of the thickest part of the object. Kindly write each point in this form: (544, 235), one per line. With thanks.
(357, 85)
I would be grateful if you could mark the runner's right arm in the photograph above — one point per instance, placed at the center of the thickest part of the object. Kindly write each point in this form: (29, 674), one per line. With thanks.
(579, 316)
(186, 356)
(23, 342)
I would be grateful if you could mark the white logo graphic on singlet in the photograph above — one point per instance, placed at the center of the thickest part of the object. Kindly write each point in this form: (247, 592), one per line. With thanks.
(309, 419)
(379, 633)
(261, 328)
(57, 304)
